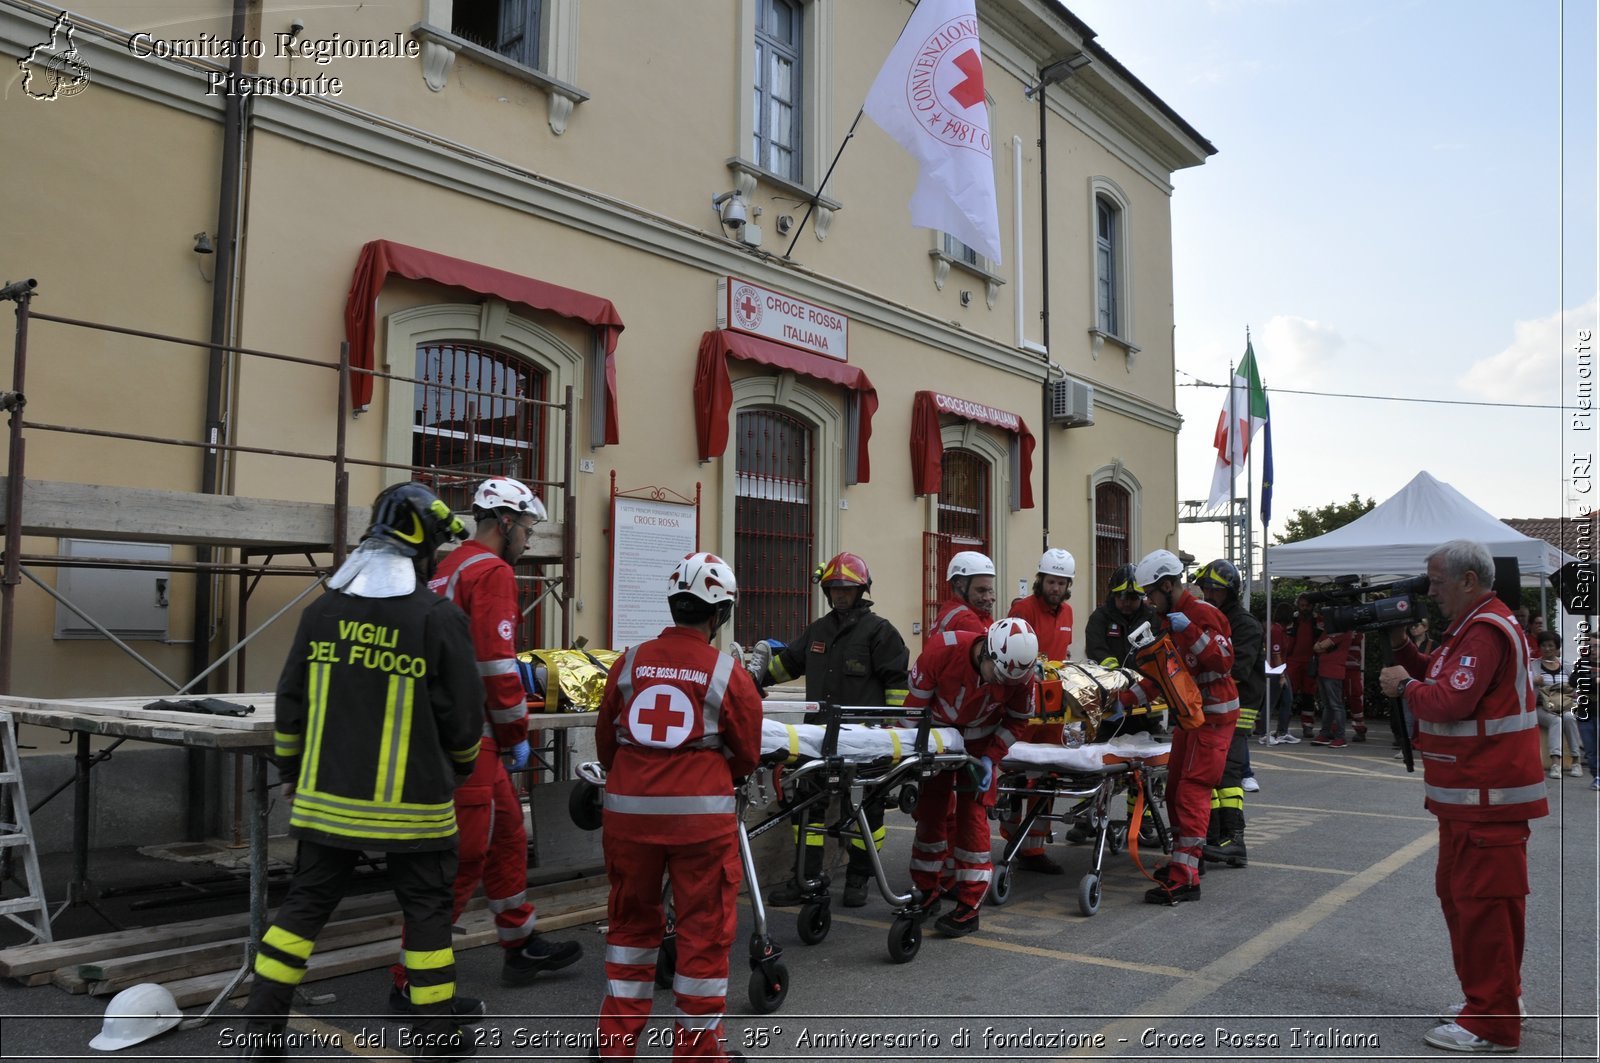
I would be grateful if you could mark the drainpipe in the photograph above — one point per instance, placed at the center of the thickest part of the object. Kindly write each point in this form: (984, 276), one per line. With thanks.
(222, 296)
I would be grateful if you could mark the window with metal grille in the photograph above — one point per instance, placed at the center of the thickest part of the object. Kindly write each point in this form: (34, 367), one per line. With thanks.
(466, 437)
(963, 524)
(510, 27)
(779, 26)
(774, 526)
(1112, 509)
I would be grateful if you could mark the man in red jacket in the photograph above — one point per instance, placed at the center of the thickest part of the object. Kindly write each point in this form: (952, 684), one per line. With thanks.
(970, 606)
(478, 577)
(1202, 636)
(679, 722)
(1332, 650)
(1050, 615)
(983, 685)
(1478, 736)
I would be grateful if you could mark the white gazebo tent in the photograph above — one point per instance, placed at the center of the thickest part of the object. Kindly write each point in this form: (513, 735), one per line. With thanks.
(1396, 536)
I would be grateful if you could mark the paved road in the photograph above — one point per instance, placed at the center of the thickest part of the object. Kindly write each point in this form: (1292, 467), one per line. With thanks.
(1329, 946)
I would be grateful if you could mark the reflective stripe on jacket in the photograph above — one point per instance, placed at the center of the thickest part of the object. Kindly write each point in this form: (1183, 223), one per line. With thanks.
(485, 587)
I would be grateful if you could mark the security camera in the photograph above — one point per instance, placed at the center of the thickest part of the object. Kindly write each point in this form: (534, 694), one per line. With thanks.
(732, 210)
(296, 28)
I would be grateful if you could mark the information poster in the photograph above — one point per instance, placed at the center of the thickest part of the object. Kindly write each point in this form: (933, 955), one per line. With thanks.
(648, 538)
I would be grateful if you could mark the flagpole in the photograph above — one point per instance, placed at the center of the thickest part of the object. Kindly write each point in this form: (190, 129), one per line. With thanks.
(815, 196)
(1266, 572)
(1229, 440)
(812, 202)
(1249, 476)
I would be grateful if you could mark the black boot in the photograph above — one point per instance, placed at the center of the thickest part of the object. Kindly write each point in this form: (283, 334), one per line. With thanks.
(1229, 847)
(791, 893)
(438, 1037)
(263, 1040)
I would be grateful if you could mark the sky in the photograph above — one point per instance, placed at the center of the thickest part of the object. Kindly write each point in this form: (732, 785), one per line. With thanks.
(1402, 204)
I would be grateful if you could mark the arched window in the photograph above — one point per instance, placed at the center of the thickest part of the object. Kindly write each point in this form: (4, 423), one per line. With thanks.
(964, 500)
(1113, 508)
(471, 436)
(774, 524)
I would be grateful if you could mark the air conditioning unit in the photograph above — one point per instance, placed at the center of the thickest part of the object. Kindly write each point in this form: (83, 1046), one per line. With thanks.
(1072, 403)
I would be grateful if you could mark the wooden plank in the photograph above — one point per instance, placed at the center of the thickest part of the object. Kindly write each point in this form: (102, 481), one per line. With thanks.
(35, 710)
(67, 978)
(58, 509)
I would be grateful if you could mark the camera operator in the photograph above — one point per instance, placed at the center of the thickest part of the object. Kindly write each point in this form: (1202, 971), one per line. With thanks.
(1476, 730)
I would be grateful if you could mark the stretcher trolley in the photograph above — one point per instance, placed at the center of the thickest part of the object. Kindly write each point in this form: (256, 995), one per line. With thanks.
(859, 766)
(1074, 782)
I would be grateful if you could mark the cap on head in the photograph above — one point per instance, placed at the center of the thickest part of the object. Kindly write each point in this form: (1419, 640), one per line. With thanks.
(413, 518)
(1058, 562)
(1013, 646)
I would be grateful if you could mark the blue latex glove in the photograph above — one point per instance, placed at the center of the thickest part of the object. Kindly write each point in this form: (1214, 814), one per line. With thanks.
(988, 774)
(517, 758)
(1178, 621)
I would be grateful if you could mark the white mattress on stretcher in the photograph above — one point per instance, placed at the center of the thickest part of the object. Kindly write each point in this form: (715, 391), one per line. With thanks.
(856, 742)
(1035, 756)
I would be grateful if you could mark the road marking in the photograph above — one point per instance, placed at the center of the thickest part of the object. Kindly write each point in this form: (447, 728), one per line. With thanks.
(1342, 812)
(1183, 997)
(341, 1037)
(1294, 763)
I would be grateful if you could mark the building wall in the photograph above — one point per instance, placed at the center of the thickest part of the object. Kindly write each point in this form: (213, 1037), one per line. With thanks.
(617, 205)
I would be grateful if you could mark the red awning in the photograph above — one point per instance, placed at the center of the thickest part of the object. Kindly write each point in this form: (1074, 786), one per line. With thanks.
(713, 391)
(379, 258)
(927, 452)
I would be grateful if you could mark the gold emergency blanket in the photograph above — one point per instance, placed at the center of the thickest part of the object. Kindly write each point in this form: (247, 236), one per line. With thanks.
(573, 679)
(1071, 692)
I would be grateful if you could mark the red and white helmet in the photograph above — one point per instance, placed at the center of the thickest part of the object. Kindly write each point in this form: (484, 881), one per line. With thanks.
(969, 563)
(502, 492)
(1013, 647)
(1058, 562)
(707, 577)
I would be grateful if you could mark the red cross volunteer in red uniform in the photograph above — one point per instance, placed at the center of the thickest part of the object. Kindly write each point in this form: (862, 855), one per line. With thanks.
(678, 722)
(983, 685)
(1477, 732)
(970, 606)
(1202, 635)
(479, 578)
(1049, 612)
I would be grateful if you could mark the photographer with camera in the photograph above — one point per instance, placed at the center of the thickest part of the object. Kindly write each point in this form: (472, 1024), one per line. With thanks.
(1477, 732)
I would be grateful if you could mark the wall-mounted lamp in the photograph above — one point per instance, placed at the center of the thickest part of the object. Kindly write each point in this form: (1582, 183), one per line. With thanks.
(730, 210)
(203, 248)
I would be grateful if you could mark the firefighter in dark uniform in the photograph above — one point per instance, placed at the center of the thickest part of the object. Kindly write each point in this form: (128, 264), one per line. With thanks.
(1219, 582)
(379, 711)
(849, 656)
(1106, 636)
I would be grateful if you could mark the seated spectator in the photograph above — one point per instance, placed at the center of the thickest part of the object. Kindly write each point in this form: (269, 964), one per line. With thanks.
(1554, 688)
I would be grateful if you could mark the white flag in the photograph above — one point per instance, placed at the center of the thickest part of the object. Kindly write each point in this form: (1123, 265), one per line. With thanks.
(929, 98)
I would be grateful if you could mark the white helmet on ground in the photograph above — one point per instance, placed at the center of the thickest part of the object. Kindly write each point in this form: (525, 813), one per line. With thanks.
(1156, 566)
(502, 492)
(1013, 647)
(969, 563)
(1057, 562)
(707, 577)
(137, 1014)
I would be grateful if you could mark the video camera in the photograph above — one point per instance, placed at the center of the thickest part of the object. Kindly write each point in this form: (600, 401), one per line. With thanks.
(1343, 608)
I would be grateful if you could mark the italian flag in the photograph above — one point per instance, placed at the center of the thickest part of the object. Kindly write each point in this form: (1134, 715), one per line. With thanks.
(1244, 411)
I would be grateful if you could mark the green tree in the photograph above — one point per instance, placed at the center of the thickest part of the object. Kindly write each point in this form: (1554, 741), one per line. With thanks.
(1310, 523)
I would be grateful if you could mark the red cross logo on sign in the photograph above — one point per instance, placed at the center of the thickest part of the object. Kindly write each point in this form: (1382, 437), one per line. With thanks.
(661, 716)
(746, 307)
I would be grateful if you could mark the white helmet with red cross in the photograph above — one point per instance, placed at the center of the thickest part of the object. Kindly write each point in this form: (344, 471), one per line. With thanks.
(502, 492)
(707, 577)
(1013, 647)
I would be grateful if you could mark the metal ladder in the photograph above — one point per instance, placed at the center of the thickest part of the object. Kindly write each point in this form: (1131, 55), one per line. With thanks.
(16, 837)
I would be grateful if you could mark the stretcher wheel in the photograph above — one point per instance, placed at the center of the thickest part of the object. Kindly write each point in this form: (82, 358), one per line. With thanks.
(666, 963)
(908, 798)
(905, 938)
(584, 805)
(1089, 894)
(816, 919)
(1000, 884)
(768, 990)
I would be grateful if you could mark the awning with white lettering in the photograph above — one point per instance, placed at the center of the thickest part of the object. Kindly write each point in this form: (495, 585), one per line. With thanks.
(380, 258)
(713, 391)
(927, 450)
